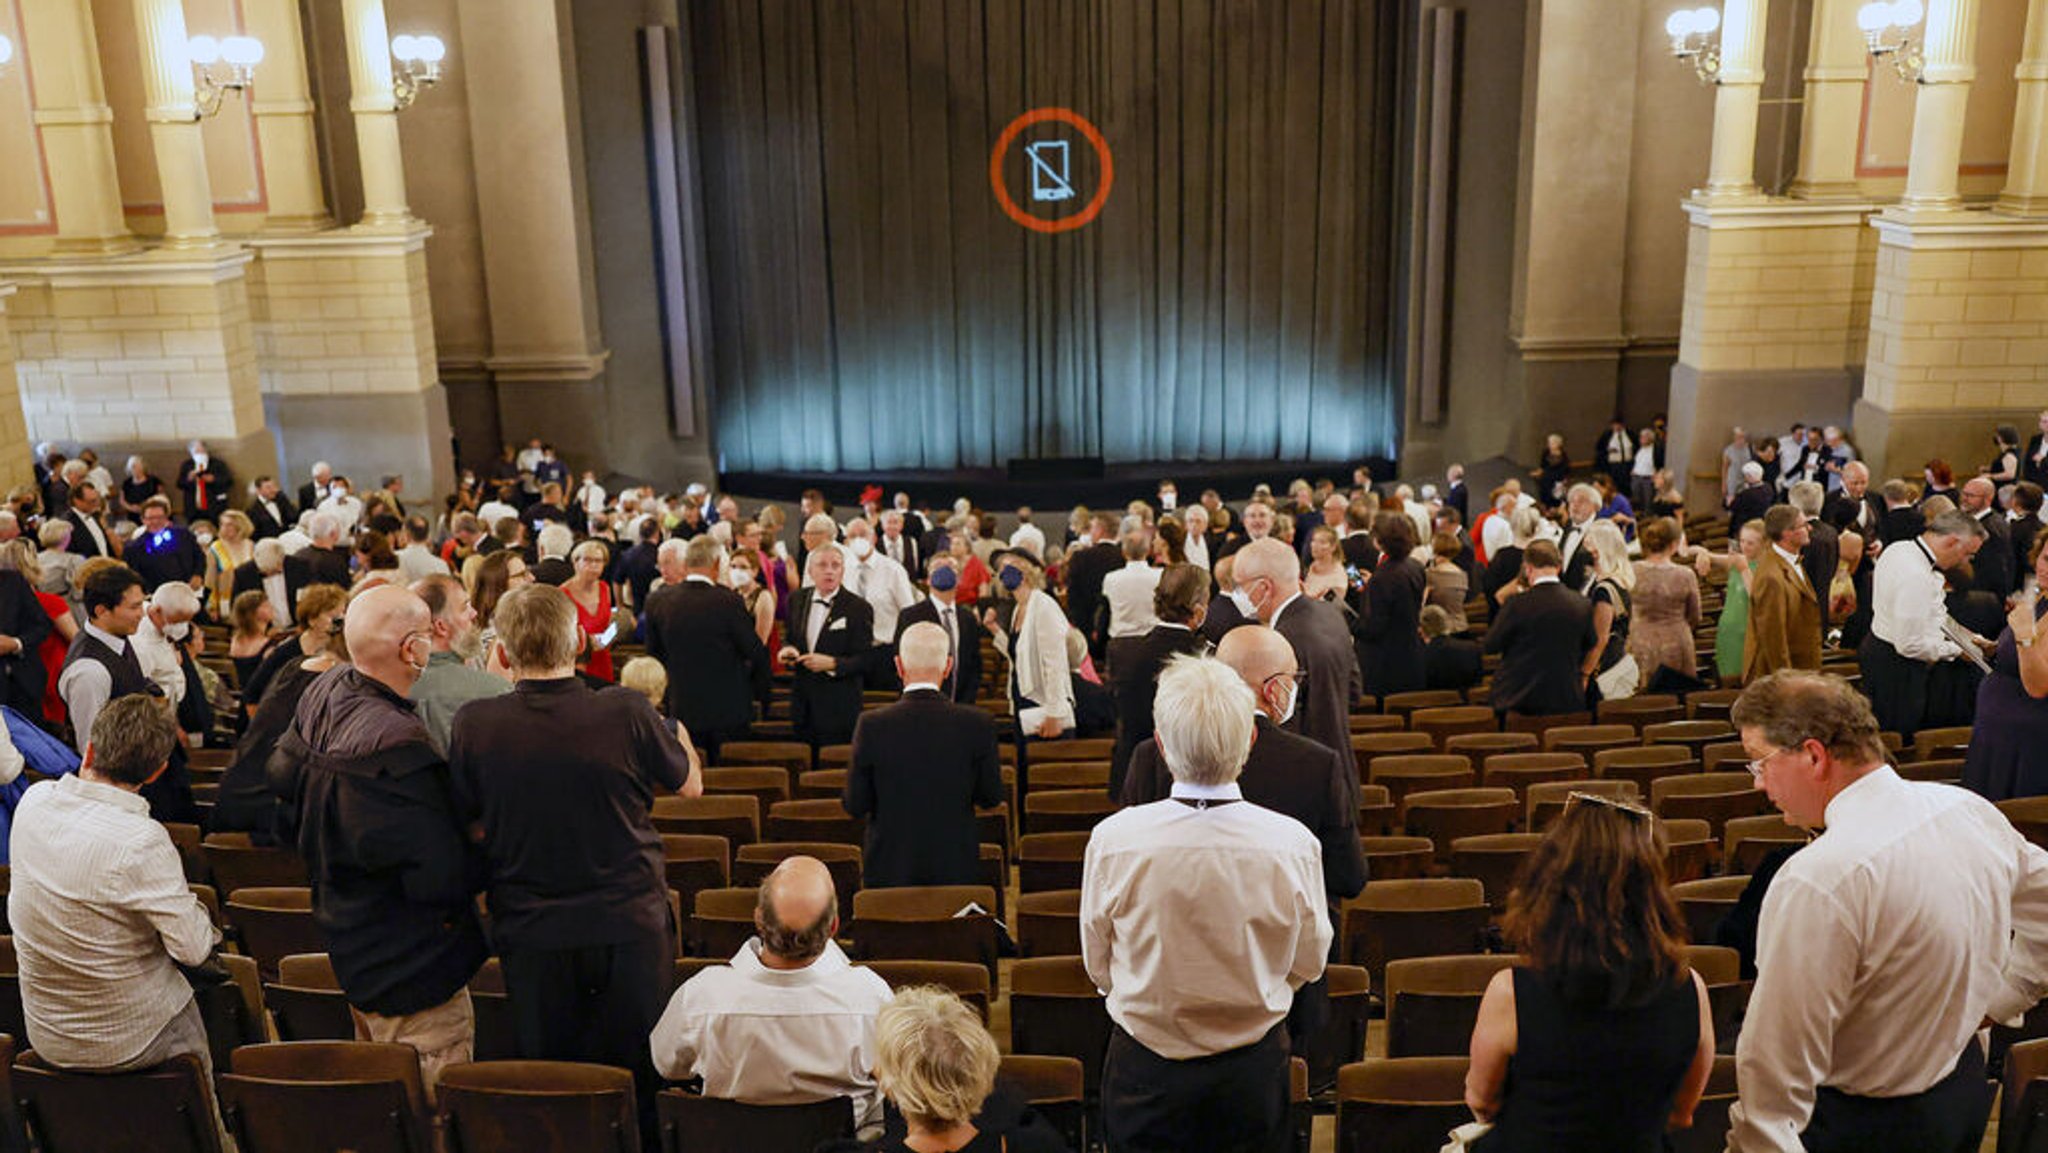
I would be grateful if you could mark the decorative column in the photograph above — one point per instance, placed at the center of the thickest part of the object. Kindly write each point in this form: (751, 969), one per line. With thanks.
(1731, 171)
(1837, 67)
(1932, 171)
(170, 104)
(76, 124)
(283, 106)
(2026, 182)
(376, 111)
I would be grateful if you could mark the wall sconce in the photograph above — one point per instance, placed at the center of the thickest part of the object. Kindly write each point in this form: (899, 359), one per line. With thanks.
(1888, 31)
(419, 67)
(1692, 38)
(6, 54)
(222, 66)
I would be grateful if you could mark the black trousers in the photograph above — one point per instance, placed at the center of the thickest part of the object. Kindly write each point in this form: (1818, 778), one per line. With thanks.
(1896, 686)
(1947, 1118)
(1230, 1102)
(596, 1003)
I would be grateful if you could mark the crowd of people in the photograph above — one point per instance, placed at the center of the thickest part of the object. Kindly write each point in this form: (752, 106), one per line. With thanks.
(424, 704)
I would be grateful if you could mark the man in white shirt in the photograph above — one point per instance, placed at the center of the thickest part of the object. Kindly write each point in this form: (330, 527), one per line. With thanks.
(876, 579)
(1909, 619)
(1884, 946)
(1129, 593)
(791, 1020)
(1028, 536)
(416, 561)
(1200, 917)
(166, 625)
(100, 909)
(343, 504)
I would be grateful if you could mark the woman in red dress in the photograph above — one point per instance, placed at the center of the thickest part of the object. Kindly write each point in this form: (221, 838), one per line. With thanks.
(20, 555)
(592, 596)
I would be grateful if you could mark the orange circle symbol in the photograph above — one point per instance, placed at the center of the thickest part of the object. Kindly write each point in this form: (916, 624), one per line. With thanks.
(1009, 204)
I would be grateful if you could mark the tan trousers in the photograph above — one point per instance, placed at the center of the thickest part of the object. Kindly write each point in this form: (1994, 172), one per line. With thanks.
(444, 1035)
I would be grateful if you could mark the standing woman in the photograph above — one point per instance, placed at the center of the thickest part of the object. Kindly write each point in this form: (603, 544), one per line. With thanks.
(19, 555)
(1325, 578)
(1036, 641)
(137, 487)
(1740, 562)
(1450, 586)
(1554, 470)
(1667, 604)
(1941, 482)
(2008, 754)
(1613, 581)
(1599, 1037)
(234, 546)
(743, 573)
(2005, 462)
(592, 596)
(1390, 622)
(1180, 602)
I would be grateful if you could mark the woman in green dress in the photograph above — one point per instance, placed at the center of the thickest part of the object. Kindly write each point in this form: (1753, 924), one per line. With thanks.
(1734, 623)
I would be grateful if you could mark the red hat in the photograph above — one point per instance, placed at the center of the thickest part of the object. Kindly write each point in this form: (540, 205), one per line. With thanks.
(872, 494)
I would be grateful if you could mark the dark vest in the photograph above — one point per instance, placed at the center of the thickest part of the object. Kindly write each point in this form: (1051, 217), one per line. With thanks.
(170, 795)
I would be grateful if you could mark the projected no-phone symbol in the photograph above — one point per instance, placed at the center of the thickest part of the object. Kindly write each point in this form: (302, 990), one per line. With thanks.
(1051, 169)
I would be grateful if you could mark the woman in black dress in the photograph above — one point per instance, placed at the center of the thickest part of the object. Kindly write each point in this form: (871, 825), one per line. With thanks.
(137, 486)
(1553, 471)
(1389, 625)
(2008, 754)
(1600, 1036)
(2005, 463)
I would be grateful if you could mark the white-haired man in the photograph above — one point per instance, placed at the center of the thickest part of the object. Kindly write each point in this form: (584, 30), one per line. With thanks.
(1752, 498)
(818, 529)
(1200, 916)
(160, 638)
(326, 561)
(1268, 590)
(830, 641)
(315, 491)
(552, 546)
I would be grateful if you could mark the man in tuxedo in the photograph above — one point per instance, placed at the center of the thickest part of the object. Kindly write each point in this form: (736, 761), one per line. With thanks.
(89, 535)
(277, 576)
(270, 511)
(831, 634)
(1355, 538)
(315, 491)
(1992, 570)
(1784, 607)
(1582, 506)
(2034, 465)
(326, 561)
(1448, 662)
(962, 682)
(920, 768)
(1177, 603)
(899, 544)
(1454, 491)
(1614, 451)
(702, 633)
(1087, 564)
(1902, 517)
(1823, 551)
(1269, 585)
(1751, 499)
(1223, 613)
(1853, 507)
(206, 483)
(1544, 636)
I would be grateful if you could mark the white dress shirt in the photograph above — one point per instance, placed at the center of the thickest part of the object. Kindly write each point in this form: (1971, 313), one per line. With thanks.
(1030, 538)
(1197, 549)
(1882, 946)
(346, 509)
(1199, 924)
(776, 1036)
(1496, 534)
(1908, 602)
(1129, 593)
(1791, 560)
(885, 585)
(159, 659)
(416, 561)
(100, 909)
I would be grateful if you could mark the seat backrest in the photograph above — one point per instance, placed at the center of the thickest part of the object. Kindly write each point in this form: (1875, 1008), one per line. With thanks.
(1588, 736)
(969, 982)
(283, 1116)
(2023, 1105)
(694, 1124)
(1400, 1105)
(1394, 920)
(1643, 756)
(1480, 745)
(1433, 1002)
(1418, 765)
(1701, 732)
(1716, 964)
(1701, 784)
(166, 1109)
(1547, 799)
(1056, 1010)
(275, 923)
(1069, 775)
(237, 864)
(538, 1105)
(1052, 846)
(921, 902)
(1397, 857)
(1049, 923)
(733, 816)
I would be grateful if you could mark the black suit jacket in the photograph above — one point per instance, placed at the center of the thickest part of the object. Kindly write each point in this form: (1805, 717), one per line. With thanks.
(913, 552)
(1750, 504)
(920, 767)
(22, 679)
(1901, 524)
(1085, 570)
(1820, 557)
(1993, 566)
(310, 495)
(1360, 553)
(717, 666)
(1841, 511)
(1578, 571)
(1452, 663)
(2029, 469)
(1288, 774)
(266, 525)
(825, 706)
(1322, 645)
(1135, 683)
(2023, 532)
(248, 578)
(1454, 497)
(965, 679)
(1221, 618)
(219, 483)
(1542, 637)
(326, 566)
(81, 540)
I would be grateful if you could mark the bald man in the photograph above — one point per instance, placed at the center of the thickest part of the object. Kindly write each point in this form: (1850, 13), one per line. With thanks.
(790, 1020)
(1269, 592)
(1994, 568)
(394, 877)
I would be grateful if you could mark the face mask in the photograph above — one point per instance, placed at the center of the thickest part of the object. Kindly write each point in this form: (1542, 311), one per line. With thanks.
(1168, 500)
(861, 547)
(1243, 601)
(945, 580)
(1012, 578)
(176, 634)
(741, 578)
(204, 538)
(1293, 699)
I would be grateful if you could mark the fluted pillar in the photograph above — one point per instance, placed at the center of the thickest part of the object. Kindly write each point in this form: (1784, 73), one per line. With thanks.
(2026, 182)
(375, 106)
(1731, 170)
(76, 125)
(170, 104)
(1837, 66)
(283, 107)
(1932, 171)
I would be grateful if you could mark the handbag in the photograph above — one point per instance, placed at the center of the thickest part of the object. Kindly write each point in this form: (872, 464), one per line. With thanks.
(1464, 1135)
(1620, 679)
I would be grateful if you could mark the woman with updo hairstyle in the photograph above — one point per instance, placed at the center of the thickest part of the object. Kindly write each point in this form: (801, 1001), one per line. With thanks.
(1390, 612)
(1599, 1037)
(937, 1064)
(1667, 604)
(1450, 586)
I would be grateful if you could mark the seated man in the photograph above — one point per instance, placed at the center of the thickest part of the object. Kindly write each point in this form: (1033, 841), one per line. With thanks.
(100, 908)
(790, 1020)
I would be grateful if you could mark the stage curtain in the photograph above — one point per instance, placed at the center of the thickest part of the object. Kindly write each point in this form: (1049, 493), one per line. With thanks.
(873, 309)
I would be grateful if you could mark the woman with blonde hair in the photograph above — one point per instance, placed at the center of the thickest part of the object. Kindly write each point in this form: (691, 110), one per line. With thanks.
(937, 1064)
(592, 596)
(1600, 1036)
(233, 546)
(319, 611)
(1610, 672)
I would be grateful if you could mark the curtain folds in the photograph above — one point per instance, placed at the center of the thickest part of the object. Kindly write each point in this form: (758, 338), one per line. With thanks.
(873, 309)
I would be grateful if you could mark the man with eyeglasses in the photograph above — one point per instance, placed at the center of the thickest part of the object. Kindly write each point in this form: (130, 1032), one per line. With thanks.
(1884, 947)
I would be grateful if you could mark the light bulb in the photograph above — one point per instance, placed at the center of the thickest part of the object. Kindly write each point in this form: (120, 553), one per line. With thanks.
(1705, 20)
(1906, 13)
(1678, 25)
(6, 50)
(431, 49)
(242, 51)
(1874, 16)
(203, 50)
(405, 48)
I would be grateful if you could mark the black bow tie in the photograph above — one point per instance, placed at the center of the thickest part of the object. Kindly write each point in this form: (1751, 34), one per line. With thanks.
(1204, 802)
(823, 602)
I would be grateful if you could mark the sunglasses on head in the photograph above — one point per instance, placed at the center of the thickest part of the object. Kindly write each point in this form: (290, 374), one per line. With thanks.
(1575, 799)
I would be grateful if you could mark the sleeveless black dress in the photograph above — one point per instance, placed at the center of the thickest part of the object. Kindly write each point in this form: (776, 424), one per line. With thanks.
(1592, 1079)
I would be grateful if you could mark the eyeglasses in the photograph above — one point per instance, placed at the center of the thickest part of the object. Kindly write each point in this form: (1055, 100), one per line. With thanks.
(1575, 799)
(1298, 676)
(1756, 767)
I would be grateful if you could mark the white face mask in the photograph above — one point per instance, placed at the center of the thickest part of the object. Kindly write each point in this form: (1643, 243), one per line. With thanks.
(740, 578)
(204, 538)
(1293, 699)
(861, 547)
(1243, 601)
